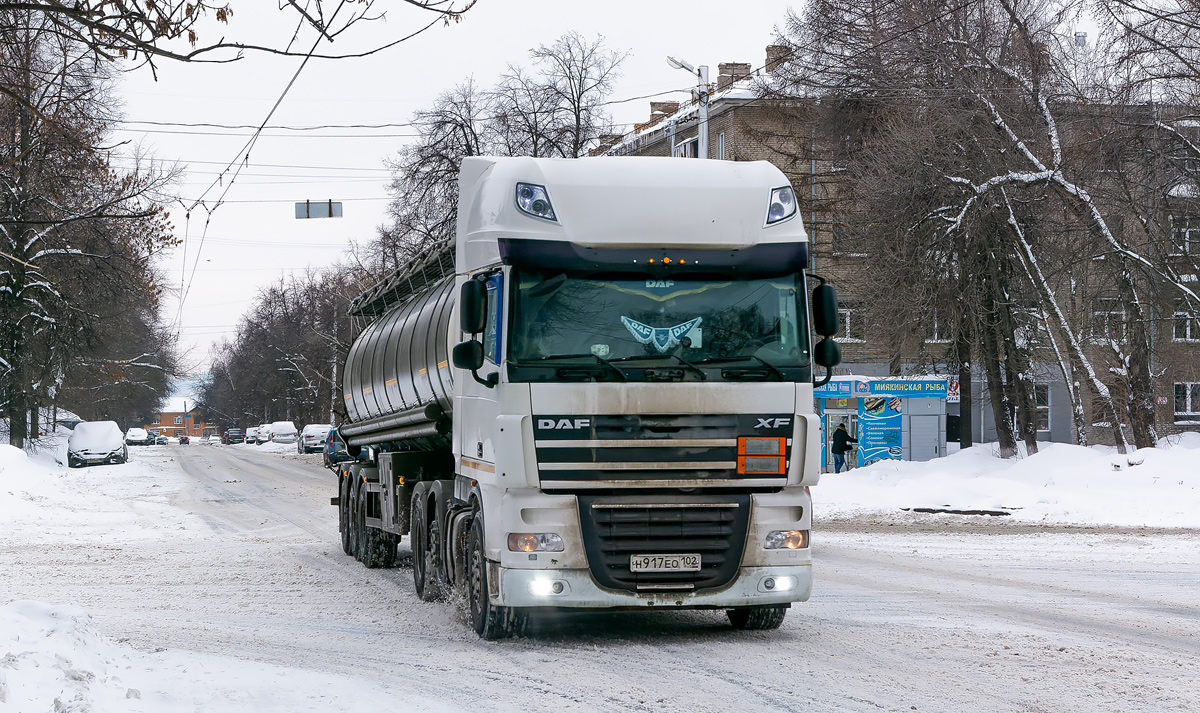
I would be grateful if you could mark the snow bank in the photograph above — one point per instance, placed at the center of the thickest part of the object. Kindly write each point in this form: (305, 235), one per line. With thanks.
(1066, 484)
(54, 659)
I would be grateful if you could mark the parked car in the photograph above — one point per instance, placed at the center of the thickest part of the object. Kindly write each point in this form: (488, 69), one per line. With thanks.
(233, 435)
(161, 440)
(184, 440)
(137, 437)
(264, 434)
(95, 442)
(334, 451)
(251, 435)
(283, 432)
(312, 438)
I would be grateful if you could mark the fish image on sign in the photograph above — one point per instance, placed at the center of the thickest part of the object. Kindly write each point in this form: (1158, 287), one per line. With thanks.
(663, 338)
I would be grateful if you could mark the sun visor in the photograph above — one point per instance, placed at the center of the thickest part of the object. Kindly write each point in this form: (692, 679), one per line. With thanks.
(763, 260)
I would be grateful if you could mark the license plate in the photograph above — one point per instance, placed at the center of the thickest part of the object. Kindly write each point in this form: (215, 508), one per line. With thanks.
(664, 563)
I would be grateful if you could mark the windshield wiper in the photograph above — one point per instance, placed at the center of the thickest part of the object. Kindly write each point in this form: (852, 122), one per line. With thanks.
(685, 362)
(554, 357)
(771, 367)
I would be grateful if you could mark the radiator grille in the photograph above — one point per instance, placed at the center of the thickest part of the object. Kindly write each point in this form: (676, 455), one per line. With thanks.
(615, 528)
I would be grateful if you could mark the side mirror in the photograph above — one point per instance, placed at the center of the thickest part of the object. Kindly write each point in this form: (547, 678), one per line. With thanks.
(825, 310)
(827, 353)
(472, 308)
(468, 355)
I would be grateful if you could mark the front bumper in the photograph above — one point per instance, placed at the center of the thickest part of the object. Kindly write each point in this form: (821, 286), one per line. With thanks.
(580, 590)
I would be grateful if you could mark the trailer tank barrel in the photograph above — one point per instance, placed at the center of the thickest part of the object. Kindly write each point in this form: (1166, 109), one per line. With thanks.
(399, 365)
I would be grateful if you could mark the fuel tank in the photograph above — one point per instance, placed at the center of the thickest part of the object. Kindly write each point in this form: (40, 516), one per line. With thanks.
(400, 364)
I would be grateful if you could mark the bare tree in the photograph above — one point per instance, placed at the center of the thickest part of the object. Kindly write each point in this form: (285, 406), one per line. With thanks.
(578, 73)
(70, 226)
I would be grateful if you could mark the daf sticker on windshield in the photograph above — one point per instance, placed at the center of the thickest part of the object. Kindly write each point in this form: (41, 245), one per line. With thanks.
(663, 338)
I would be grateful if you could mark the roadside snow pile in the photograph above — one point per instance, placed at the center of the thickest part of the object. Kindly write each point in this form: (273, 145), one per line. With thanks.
(1151, 487)
(98, 503)
(52, 658)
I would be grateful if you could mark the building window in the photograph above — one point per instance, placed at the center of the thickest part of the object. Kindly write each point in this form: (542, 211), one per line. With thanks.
(845, 242)
(1185, 235)
(686, 149)
(851, 330)
(179, 420)
(1187, 327)
(1187, 402)
(1041, 402)
(721, 145)
(1108, 319)
(939, 329)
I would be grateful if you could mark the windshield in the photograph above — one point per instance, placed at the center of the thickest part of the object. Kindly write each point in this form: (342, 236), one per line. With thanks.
(684, 321)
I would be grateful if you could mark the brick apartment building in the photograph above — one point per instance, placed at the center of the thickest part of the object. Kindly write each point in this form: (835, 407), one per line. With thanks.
(744, 126)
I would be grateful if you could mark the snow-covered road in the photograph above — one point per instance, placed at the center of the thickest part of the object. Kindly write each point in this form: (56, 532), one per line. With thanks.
(213, 578)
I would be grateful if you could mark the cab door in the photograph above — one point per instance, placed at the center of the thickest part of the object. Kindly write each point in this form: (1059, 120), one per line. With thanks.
(481, 405)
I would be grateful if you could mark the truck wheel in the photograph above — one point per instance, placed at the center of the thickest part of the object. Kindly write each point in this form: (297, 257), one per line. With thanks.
(424, 568)
(344, 515)
(356, 524)
(372, 542)
(757, 618)
(489, 621)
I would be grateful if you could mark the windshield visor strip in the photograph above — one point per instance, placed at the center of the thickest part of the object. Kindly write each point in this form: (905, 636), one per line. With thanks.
(763, 259)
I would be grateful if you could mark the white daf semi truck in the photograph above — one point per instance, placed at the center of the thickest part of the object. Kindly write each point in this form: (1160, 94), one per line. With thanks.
(600, 396)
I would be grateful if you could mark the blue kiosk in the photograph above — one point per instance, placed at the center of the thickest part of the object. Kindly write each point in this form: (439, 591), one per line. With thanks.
(892, 418)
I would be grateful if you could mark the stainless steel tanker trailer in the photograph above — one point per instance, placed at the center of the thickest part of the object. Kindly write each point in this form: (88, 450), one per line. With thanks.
(600, 395)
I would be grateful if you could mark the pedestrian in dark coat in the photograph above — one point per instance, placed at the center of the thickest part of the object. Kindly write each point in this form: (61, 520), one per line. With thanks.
(841, 446)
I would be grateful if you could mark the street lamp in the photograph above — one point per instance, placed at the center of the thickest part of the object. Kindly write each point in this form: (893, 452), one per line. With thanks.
(701, 94)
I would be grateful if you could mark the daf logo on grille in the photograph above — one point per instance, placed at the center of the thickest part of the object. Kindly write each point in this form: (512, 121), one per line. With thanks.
(772, 422)
(563, 424)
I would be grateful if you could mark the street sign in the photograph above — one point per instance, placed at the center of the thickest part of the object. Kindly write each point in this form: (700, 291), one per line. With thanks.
(319, 209)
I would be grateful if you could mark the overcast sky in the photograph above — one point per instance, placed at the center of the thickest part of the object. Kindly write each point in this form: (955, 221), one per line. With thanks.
(253, 238)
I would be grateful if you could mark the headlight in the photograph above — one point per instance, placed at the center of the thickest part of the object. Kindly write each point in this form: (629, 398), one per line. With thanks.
(535, 542)
(782, 205)
(535, 201)
(786, 540)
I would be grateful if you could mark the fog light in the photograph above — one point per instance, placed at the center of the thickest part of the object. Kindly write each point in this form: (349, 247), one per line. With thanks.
(786, 540)
(777, 584)
(548, 587)
(535, 542)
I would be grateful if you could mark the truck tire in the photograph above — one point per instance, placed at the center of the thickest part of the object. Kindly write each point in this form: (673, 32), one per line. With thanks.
(355, 520)
(489, 621)
(344, 515)
(757, 618)
(424, 580)
(376, 547)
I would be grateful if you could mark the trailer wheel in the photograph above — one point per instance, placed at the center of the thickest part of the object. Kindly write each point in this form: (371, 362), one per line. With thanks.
(424, 568)
(757, 618)
(489, 621)
(371, 544)
(344, 515)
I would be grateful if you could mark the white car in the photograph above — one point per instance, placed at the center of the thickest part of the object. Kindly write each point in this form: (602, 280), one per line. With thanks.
(251, 435)
(282, 432)
(138, 437)
(95, 442)
(312, 438)
(264, 434)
